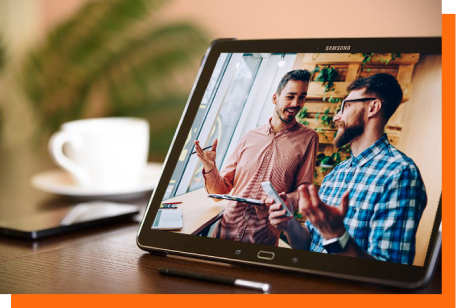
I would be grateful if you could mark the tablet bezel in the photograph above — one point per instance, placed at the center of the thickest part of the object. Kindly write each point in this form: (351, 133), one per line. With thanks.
(388, 273)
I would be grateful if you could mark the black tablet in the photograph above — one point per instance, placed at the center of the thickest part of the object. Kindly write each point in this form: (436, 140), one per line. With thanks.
(348, 129)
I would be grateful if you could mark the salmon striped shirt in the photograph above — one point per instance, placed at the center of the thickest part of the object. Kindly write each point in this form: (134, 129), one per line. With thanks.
(286, 159)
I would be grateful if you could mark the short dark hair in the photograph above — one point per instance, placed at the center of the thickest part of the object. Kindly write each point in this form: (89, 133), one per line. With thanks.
(296, 75)
(383, 86)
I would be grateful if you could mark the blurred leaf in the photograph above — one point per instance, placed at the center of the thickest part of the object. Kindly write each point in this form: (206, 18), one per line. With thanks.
(2, 54)
(117, 55)
(2, 63)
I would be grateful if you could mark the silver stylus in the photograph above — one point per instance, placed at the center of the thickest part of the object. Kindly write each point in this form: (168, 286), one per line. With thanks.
(224, 280)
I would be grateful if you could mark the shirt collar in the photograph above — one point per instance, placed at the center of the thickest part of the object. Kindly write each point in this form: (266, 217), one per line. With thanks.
(285, 129)
(379, 146)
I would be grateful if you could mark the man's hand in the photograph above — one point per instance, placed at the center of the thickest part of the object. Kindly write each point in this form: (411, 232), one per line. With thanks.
(207, 157)
(327, 219)
(277, 216)
(297, 235)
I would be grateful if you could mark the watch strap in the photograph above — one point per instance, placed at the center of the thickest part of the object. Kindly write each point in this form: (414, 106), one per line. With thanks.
(337, 244)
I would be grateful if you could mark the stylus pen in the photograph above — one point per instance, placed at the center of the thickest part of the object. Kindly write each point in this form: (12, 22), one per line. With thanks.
(203, 149)
(224, 280)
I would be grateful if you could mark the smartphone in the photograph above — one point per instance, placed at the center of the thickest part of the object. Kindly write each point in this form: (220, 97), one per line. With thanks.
(81, 216)
(238, 199)
(272, 193)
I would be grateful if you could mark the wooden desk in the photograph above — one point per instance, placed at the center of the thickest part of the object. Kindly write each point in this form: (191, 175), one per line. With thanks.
(197, 209)
(107, 260)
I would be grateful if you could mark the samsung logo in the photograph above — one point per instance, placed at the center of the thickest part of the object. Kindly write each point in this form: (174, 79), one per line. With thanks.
(337, 47)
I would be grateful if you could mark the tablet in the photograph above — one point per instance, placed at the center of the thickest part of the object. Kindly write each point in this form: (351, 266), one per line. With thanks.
(236, 198)
(355, 122)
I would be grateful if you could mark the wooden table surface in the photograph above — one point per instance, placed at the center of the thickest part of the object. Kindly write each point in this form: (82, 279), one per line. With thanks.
(197, 209)
(107, 260)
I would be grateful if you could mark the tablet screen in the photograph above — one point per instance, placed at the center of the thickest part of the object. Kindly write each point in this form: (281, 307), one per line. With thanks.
(351, 140)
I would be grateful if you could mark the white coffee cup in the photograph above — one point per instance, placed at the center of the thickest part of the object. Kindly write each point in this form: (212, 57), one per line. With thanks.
(102, 153)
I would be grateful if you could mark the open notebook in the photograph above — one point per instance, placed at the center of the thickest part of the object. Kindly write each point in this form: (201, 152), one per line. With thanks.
(168, 219)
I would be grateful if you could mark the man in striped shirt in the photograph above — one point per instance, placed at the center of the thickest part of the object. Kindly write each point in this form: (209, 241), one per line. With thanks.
(370, 205)
(282, 151)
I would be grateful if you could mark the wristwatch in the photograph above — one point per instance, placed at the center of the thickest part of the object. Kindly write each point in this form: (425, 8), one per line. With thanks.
(336, 244)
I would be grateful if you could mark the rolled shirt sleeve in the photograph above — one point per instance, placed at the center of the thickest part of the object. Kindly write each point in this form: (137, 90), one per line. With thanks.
(216, 183)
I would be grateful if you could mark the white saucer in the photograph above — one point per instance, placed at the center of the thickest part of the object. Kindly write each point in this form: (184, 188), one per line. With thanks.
(59, 182)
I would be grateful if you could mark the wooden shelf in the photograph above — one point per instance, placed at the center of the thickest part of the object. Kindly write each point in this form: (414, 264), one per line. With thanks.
(326, 136)
(349, 68)
(317, 90)
(320, 107)
(338, 58)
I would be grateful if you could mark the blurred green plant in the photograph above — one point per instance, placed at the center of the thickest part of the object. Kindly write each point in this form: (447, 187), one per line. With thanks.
(115, 58)
(2, 54)
(2, 63)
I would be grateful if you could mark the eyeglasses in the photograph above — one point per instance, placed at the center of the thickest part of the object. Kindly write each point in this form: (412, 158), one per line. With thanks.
(364, 99)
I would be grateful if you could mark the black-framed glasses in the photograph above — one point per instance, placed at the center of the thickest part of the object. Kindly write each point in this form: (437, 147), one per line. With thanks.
(364, 99)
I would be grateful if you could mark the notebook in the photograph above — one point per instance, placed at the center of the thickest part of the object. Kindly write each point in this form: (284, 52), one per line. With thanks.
(168, 219)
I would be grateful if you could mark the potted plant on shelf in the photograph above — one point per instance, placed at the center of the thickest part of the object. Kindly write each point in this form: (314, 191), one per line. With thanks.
(328, 162)
(326, 75)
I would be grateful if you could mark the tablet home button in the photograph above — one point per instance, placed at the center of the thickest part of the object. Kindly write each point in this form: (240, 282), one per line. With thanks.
(266, 255)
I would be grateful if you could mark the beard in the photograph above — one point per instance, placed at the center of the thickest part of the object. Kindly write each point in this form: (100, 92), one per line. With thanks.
(347, 133)
(283, 117)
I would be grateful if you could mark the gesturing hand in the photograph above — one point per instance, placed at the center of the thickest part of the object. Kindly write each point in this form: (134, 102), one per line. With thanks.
(207, 157)
(327, 219)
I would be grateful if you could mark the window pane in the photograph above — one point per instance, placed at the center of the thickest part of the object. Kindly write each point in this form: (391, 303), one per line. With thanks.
(205, 102)
(228, 116)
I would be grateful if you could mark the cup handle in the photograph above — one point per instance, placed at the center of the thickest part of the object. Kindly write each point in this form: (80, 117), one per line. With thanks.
(55, 148)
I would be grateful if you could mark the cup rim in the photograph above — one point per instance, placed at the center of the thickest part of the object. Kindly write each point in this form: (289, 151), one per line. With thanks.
(72, 124)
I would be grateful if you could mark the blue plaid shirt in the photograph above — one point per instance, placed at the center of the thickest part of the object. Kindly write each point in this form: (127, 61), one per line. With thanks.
(387, 198)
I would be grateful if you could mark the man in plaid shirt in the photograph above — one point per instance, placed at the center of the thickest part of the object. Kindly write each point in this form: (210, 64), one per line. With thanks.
(370, 205)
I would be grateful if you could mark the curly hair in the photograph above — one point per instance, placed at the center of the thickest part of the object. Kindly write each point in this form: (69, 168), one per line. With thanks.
(296, 75)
